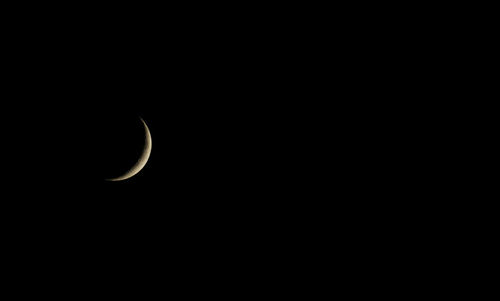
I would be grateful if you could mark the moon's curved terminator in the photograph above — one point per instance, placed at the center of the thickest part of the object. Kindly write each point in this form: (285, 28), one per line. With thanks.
(143, 159)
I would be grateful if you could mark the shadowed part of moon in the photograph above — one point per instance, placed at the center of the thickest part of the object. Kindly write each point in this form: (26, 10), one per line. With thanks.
(143, 159)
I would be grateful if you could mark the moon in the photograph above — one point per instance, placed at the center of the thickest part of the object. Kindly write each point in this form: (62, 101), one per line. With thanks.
(143, 159)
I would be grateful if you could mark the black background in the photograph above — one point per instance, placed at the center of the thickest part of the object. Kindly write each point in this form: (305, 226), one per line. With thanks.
(287, 144)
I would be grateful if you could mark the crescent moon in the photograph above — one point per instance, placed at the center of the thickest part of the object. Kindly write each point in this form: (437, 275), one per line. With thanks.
(143, 159)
